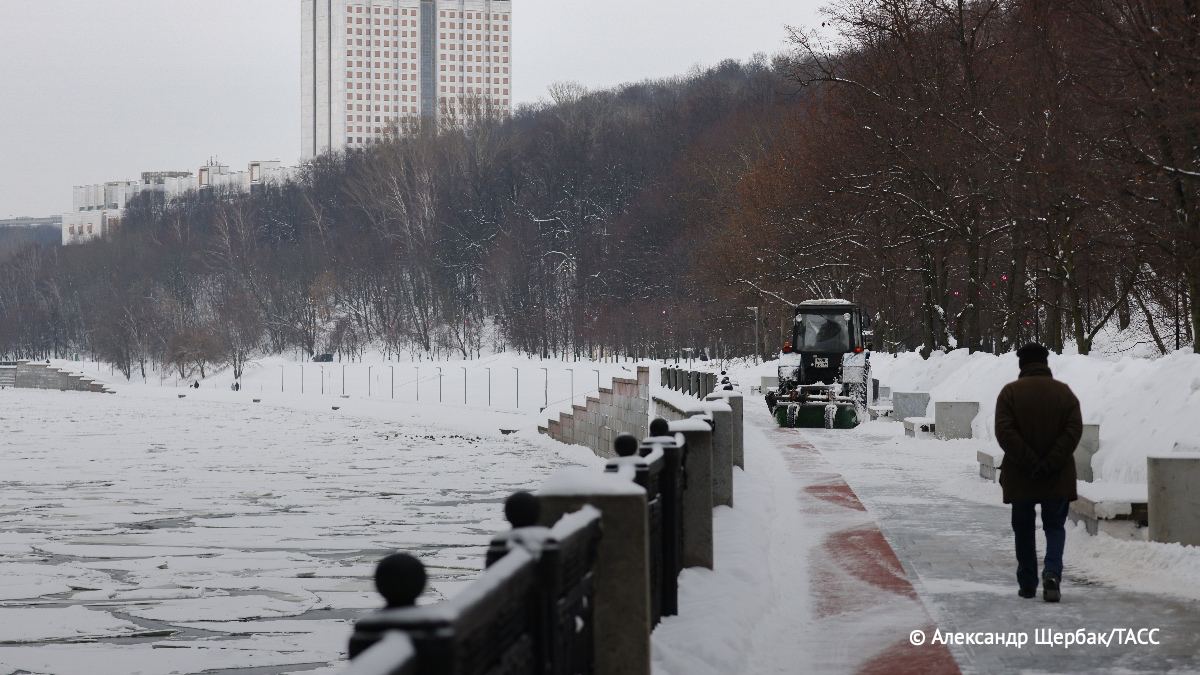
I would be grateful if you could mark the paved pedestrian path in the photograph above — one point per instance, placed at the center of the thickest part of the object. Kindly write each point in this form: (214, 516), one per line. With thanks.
(955, 554)
(864, 603)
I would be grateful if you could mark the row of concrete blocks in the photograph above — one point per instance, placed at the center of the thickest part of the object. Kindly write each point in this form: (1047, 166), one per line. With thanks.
(711, 433)
(622, 408)
(30, 375)
(693, 382)
(1170, 512)
(951, 419)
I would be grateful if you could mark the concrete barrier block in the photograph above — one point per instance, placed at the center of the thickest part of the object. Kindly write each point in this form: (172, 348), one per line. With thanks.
(1089, 445)
(722, 449)
(1172, 498)
(953, 419)
(737, 404)
(909, 404)
(697, 493)
(622, 574)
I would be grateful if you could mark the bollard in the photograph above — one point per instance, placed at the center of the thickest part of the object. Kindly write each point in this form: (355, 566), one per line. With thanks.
(1089, 445)
(722, 448)
(697, 492)
(1172, 499)
(737, 404)
(909, 404)
(622, 577)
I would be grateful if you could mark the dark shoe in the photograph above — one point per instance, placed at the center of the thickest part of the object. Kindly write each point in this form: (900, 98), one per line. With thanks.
(1050, 590)
(1027, 592)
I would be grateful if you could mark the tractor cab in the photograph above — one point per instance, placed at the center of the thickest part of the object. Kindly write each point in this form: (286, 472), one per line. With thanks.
(824, 371)
(824, 334)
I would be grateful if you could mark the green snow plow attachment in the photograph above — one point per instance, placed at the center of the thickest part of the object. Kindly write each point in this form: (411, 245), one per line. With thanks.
(825, 370)
(817, 413)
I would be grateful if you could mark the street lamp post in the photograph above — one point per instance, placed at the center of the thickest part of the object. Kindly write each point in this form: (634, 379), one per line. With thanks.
(464, 369)
(546, 389)
(439, 369)
(756, 345)
(518, 381)
(489, 372)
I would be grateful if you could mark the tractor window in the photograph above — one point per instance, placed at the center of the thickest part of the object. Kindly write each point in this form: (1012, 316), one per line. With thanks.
(824, 333)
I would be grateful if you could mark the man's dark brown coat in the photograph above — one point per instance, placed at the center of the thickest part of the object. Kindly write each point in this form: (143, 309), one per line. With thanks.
(1038, 419)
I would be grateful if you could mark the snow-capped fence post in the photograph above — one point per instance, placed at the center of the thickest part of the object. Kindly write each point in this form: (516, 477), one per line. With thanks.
(722, 448)
(664, 378)
(1172, 500)
(737, 406)
(622, 606)
(697, 504)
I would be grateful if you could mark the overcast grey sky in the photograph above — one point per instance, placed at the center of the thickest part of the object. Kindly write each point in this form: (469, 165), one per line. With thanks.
(95, 90)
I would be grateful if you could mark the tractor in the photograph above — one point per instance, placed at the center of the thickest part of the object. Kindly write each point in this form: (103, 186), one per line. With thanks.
(825, 369)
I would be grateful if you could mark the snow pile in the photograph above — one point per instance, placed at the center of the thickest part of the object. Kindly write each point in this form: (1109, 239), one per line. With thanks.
(1143, 406)
(1165, 569)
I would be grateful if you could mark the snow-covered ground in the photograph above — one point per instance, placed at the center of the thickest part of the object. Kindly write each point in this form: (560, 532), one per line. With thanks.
(243, 534)
(147, 533)
(759, 610)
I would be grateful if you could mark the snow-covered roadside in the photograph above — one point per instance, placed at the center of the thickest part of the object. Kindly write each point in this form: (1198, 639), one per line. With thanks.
(1143, 406)
(755, 600)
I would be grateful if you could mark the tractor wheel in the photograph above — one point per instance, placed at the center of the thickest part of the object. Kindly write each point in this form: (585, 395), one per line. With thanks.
(831, 411)
(792, 411)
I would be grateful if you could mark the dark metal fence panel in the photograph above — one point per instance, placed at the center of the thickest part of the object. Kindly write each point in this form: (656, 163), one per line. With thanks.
(570, 563)
(529, 613)
(485, 630)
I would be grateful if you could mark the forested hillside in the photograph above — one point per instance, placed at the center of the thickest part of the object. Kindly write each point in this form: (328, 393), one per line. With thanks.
(975, 174)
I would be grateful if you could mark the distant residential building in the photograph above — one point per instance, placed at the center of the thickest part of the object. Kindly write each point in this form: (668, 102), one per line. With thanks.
(218, 176)
(371, 66)
(48, 221)
(97, 210)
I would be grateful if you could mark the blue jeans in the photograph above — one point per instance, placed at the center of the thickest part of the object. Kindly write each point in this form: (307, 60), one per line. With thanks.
(1054, 516)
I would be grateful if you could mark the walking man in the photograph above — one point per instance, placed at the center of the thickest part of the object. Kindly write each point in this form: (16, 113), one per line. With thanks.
(1038, 425)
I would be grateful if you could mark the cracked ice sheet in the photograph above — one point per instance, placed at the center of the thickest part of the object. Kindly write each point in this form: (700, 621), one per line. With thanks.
(31, 625)
(218, 510)
(26, 580)
(174, 656)
(223, 608)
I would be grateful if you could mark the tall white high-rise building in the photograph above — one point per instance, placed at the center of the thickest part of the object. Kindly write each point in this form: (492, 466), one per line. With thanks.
(371, 65)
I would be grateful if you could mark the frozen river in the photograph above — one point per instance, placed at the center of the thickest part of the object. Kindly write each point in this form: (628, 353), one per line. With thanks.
(143, 533)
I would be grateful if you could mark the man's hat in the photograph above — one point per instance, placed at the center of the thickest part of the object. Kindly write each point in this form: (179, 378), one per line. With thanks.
(1032, 353)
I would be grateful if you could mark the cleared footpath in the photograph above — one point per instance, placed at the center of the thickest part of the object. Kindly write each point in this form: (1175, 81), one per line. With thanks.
(905, 548)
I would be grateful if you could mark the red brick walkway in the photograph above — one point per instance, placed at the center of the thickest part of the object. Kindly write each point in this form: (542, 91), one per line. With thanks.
(865, 604)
